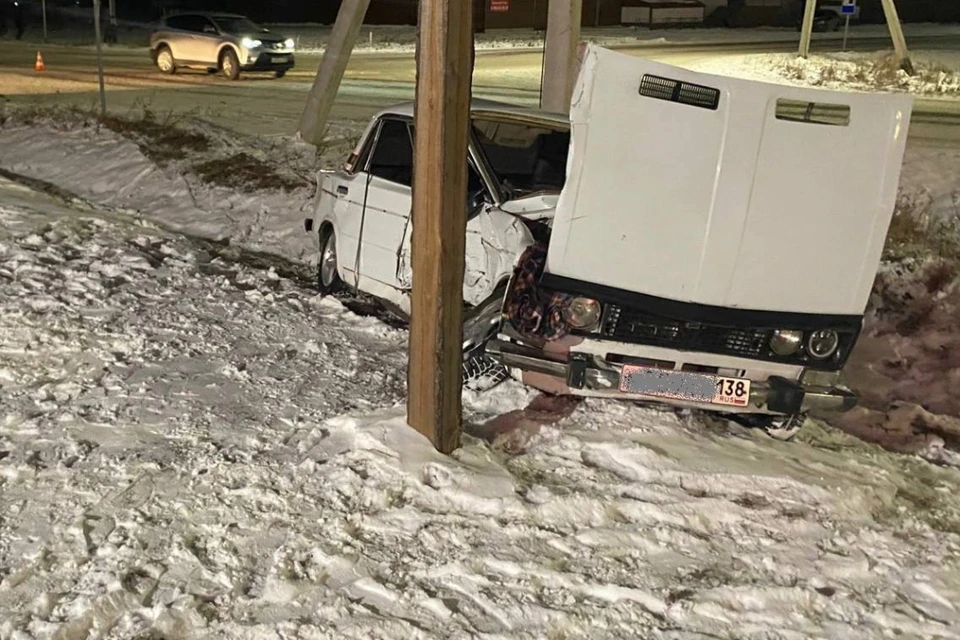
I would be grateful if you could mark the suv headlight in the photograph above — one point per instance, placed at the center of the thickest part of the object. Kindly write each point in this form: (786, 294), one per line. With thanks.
(289, 43)
(823, 344)
(582, 313)
(250, 43)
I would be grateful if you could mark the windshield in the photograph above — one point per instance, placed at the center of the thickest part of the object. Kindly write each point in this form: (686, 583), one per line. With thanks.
(238, 26)
(524, 158)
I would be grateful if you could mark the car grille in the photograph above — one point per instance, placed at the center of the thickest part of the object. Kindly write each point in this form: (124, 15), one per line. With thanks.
(630, 325)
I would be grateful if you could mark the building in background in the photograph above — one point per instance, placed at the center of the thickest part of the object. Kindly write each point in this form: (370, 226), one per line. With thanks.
(500, 14)
(662, 13)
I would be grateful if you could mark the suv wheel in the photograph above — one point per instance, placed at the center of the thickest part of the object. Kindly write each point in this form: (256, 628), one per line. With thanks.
(165, 61)
(230, 65)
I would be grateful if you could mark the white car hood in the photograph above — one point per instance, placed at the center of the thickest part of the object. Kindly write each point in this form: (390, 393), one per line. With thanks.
(730, 206)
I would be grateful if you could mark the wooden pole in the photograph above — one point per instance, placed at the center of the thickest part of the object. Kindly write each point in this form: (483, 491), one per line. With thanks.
(806, 32)
(896, 33)
(442, 117)
(313, 121)
(560, 54)
(97, 34)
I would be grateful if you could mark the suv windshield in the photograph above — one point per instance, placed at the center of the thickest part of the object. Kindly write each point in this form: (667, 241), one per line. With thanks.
(237, 26)
(524, 158)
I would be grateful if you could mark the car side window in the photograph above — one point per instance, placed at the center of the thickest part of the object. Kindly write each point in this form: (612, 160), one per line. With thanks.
(177, 22)
(194, 24)
(392, 158)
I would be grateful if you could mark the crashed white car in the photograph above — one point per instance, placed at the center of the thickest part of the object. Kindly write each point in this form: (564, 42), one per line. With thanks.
(713, 245)
(516, 167)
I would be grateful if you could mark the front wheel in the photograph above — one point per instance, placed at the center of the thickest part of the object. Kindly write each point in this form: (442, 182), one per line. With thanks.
(280, 74)
(230, 65)
(328, 275)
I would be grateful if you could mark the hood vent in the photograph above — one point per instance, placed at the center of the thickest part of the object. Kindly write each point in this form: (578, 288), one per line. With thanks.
(695, 95)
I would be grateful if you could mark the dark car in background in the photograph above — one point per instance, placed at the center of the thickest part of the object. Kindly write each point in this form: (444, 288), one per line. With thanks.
(223, 42)
(823, 20)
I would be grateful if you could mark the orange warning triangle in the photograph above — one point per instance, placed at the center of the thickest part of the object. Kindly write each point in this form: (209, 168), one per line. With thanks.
(40, 66)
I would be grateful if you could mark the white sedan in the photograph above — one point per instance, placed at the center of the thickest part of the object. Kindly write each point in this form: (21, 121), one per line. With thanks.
(516, 167)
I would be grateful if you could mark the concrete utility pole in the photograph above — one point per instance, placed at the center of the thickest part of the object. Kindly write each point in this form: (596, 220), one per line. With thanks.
(96, 31)
(313, 121)
(896, 33)
(43, 10)
(806, 32)
(560, 54)
(442, 119)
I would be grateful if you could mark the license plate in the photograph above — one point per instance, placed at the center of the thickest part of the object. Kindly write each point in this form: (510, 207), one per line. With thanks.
(278, 59)
(683, 385)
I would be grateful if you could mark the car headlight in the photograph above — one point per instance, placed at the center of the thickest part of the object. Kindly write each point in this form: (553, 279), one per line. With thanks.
(289, 43)
(582, 313)
(823, 344)
(786, 343)
(250, 43)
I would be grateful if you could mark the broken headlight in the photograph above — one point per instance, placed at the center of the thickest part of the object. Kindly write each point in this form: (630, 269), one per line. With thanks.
(786, 343)
(582, 314)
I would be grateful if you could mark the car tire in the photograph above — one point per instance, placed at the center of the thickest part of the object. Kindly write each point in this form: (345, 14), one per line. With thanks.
(778, 427)
(280, 74)
(328, 276)
(480, 372)
(229, 65)
(165, 61)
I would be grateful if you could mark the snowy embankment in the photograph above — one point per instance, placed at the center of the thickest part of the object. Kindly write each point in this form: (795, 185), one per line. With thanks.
(937, 72)
(191, 448)
(200, 181)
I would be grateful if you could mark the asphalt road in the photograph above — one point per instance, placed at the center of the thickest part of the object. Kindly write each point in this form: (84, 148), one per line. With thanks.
(261, 104)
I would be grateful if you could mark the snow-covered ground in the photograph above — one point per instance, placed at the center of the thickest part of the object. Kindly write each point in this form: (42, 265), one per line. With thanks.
(937, 72)
(194, 448)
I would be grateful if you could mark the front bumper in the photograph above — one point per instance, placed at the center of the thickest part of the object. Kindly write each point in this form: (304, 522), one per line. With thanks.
(267, 61)
(588, 375)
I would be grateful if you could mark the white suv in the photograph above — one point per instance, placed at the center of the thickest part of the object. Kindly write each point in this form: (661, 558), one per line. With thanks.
(219, 42)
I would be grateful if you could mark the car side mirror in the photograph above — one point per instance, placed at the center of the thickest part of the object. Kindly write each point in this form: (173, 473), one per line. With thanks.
(209, 29)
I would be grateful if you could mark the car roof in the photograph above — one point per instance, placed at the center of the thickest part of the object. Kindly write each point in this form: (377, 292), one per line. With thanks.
(492, 107)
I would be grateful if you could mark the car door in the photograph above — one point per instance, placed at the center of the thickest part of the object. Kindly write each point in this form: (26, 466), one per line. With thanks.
(179, 37)
(387, 201)
(196, 39)
(208, 41)
(477, 278)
